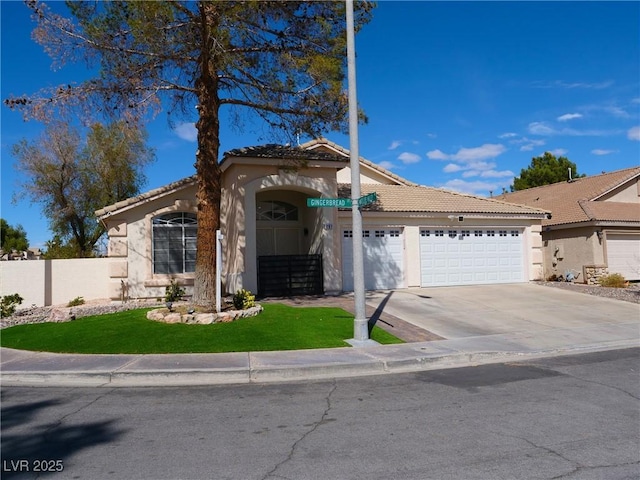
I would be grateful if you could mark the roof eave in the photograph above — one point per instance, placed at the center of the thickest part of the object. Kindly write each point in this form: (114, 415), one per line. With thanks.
(124, 205)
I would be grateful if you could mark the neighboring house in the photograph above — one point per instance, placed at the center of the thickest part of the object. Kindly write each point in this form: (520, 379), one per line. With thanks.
(274, 243)
(29, 254)
(595, 224)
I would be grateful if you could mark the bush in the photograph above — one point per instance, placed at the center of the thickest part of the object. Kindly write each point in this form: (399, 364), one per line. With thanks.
(173, 292)
(75, 302)
(8, 304)
(243, 299)
(614, 280)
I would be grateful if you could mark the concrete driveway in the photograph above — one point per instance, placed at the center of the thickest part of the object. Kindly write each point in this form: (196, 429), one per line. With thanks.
(470, 311)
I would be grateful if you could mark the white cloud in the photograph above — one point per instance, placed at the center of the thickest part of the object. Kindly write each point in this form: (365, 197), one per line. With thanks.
(485, 170)
(526, 144)
(558, 152)
(437, 155)
(432, 135)
(601, 151)
(568, 116)
(488, 150)
(408, 158)
(395, 144)
(474, 188)
(387, 165)
(616, 111)
(187, 131)
(452, 168)
(634, 133)
(497, 174)
(531, 144)
(571, 85)
(542, 128)
(466, 155)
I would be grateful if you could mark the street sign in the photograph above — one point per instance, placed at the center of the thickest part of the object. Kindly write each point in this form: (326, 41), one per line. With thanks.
(329, 202)
(367, 199)
(341, 202)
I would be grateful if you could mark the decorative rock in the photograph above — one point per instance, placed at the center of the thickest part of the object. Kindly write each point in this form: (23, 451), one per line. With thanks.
(58, 315)
(205, 318)
(163, 315)
(172, 318)
(592, 273)
(156, 315)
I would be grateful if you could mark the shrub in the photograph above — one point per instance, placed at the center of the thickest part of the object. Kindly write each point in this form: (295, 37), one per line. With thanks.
(173, 292)
(8, 304)
(614, 280)
(75, 302)
(243, 299)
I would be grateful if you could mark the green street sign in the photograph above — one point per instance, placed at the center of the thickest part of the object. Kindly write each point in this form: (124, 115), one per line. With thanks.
(367, 199)
(341, 202)
(329, 202)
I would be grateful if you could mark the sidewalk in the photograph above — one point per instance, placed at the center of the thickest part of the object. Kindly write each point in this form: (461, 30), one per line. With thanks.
(50, 369)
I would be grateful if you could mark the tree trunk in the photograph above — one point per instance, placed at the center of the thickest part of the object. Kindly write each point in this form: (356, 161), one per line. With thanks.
(208, 171)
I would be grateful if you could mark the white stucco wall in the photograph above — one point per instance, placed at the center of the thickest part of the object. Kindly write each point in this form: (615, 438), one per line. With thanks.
(628, 193)
(571, 249)
(55, 282)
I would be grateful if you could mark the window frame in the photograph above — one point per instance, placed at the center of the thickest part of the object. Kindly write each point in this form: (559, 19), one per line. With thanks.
(184, 221)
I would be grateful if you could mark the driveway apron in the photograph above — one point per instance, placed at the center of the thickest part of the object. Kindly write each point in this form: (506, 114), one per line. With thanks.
(469, 311)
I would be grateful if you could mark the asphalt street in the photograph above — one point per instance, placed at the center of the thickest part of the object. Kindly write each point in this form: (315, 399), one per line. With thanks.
(571, 417)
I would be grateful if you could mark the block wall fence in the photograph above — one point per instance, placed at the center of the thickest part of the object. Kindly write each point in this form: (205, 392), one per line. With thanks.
(55, 282)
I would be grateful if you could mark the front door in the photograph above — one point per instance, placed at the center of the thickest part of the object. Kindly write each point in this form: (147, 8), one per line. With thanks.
(278, 241)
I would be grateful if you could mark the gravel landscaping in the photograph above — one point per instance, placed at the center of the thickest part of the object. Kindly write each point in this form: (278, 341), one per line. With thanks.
(629, 294)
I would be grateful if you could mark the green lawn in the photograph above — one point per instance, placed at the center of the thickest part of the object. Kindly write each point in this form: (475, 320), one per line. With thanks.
(278, 327)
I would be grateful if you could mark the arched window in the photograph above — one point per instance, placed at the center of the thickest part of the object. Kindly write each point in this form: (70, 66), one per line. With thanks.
(272, 210)
(174, 243)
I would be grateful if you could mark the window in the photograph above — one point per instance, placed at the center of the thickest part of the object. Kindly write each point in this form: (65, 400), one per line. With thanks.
(425, 233)
(394, 233)
(439, 233)
(365, 233)
(272, 210)
(453, 233)
(515, 233)
(465, 233)
(347, 234)
(477, 233)
(174, 243)
(503, 233)
(379, 233)
(491, 233)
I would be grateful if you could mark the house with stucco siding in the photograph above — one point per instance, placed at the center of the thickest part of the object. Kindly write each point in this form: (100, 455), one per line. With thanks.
(595, 224)
(272, 238)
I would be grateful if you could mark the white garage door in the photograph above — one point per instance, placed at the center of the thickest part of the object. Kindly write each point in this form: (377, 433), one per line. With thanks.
(623, 254)
(383, 250)
(469, 257)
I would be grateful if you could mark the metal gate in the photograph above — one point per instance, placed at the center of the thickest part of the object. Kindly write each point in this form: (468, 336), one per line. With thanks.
(290, 275)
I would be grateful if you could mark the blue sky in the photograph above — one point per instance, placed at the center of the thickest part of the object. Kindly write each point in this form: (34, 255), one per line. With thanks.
(459, 95)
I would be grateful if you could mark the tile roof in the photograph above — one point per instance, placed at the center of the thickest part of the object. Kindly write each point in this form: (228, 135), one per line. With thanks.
(577, 201)
(150, 195)
(323, 142)
(405, 198)
(283, 152)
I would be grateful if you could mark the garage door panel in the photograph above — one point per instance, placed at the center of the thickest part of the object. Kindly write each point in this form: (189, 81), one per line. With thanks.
(623, 254)
(383, 252)
(464, 257)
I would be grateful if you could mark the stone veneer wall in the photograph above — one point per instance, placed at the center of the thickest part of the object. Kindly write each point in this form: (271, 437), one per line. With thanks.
(592, 273)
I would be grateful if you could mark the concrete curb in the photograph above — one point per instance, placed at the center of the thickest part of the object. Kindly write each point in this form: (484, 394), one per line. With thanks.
(369, 361)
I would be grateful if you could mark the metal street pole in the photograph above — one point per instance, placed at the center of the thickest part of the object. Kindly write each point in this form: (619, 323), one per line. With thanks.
(360, 324)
